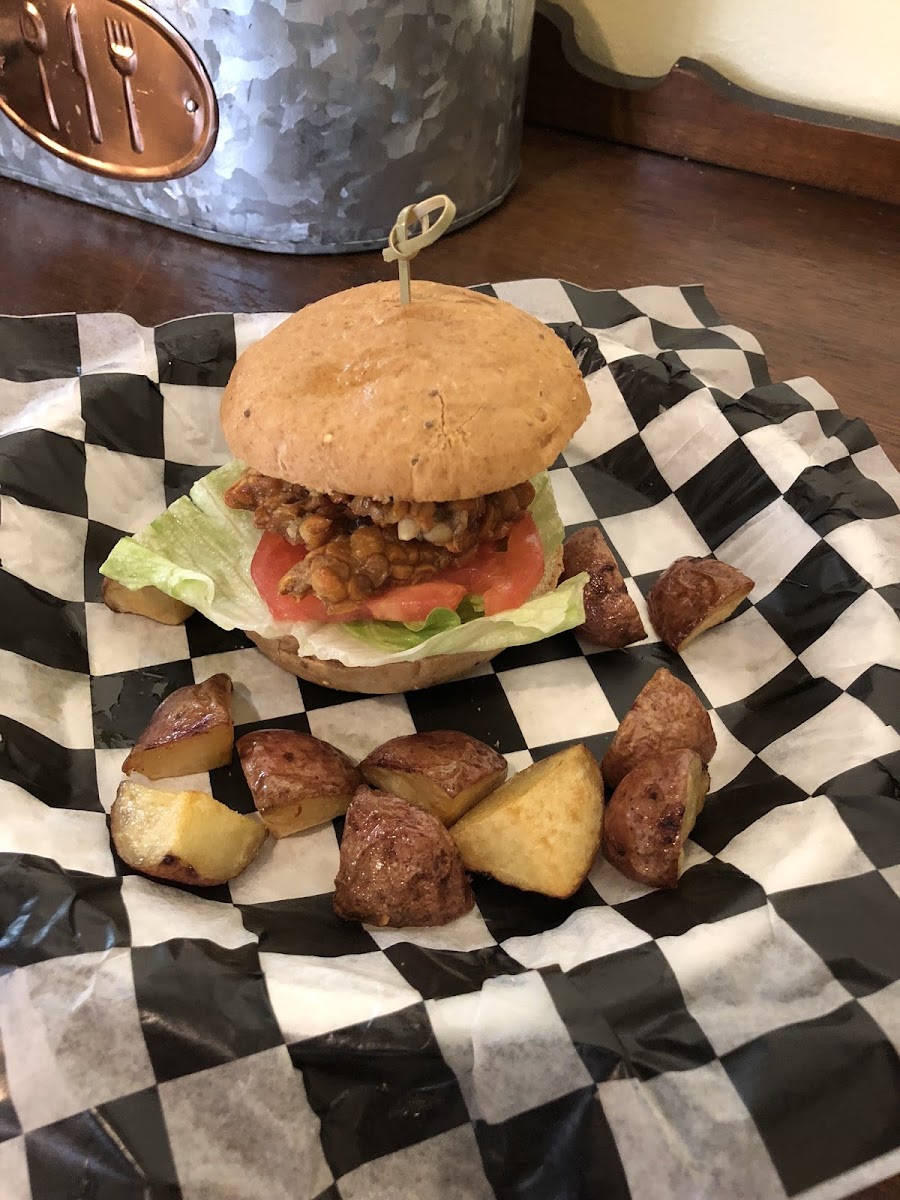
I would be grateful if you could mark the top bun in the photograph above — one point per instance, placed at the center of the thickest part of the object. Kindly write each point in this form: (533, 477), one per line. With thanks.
(452, 396)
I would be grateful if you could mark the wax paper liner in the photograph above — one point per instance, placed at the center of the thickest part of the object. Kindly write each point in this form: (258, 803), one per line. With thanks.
(735, 1038)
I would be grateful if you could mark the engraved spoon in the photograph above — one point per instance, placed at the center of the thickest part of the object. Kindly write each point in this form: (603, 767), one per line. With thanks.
(34, 33)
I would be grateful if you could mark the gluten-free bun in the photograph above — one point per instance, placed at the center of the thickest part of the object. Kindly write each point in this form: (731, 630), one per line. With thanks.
(405, 676)
(452, 396)
(372, 681)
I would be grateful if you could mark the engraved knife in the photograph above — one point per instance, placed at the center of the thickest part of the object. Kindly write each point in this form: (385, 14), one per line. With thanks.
(80, 65)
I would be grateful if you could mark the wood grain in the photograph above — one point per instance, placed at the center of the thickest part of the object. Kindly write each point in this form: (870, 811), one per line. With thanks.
(696, 113)
(815, 275)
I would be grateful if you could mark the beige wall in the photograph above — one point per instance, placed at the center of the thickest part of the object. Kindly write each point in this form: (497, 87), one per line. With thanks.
(839, 55)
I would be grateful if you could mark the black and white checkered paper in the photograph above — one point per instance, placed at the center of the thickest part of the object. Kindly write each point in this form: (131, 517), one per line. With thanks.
(738, 1038)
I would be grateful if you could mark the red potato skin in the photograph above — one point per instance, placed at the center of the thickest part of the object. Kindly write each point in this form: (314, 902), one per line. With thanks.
(452, 760)
(297, 781)
(689, 591)
(643, 830)
(184, 713)
(188, 710)
(269, 753)
(611, 616)
(399, 866)
(667, 715)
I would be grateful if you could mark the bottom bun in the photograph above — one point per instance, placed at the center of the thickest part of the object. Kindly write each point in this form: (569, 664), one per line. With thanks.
(406, 676)
(376, 681)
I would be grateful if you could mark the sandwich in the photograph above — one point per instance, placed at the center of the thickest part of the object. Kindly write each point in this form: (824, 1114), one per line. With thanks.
(387, 521)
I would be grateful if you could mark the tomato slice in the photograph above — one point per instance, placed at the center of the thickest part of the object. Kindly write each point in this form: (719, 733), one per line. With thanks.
(505, 579)
(415, 602)
(273, 559)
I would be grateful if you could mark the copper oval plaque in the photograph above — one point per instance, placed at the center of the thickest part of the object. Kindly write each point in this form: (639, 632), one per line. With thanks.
(108, 85)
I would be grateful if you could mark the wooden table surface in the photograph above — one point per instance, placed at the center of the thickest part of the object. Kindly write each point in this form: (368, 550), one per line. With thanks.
(814, 275)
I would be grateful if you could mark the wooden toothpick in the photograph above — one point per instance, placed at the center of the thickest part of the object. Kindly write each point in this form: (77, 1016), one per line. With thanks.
(402, 249)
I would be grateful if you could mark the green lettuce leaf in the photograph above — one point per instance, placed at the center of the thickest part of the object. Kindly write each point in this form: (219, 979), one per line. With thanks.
(546, 517)
(199, 551)
(470, 607)
(398, 635)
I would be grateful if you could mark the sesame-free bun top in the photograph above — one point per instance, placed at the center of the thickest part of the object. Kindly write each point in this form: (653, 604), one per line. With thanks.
(452, 396)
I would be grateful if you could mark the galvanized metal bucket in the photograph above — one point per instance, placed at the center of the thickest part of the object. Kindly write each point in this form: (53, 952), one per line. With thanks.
(295, 126)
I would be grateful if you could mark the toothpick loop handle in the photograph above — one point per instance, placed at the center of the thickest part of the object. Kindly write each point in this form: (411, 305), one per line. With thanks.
(402, 248)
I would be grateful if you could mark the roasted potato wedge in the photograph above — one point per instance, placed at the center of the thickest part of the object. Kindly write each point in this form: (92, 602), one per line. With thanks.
(192, 730)
(445, 772)
(650, 815)
(187, 837)
(540, 831)
(692, 595)
(665, 716)
(611, 616)
(399, 865)
(144, 602)
(296, 780)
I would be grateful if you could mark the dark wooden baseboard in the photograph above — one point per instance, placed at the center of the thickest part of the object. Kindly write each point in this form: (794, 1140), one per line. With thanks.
(694, 112)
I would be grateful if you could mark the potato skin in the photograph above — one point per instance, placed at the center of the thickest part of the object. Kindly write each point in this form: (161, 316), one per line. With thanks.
(667, 715)
(645, 822)
(611, 616)
(286, 770)
(451, 759)
(184, 714)
(398, 866)
(690, 593)
(326, 770)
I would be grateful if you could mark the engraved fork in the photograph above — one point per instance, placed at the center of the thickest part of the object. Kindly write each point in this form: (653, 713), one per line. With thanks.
(124, 58)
